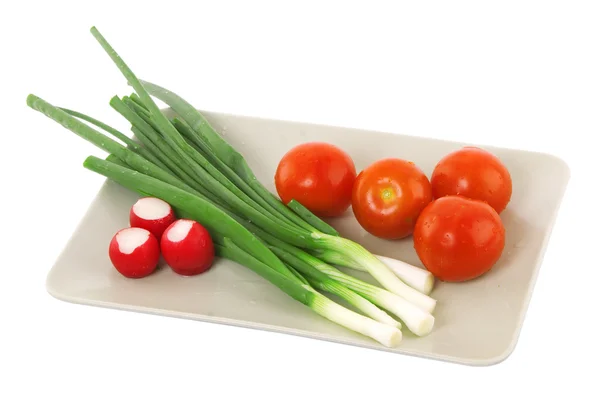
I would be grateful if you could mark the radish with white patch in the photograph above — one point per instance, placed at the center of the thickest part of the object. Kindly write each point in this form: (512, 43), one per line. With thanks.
(134, 252)
(152, 214)
(187, 247)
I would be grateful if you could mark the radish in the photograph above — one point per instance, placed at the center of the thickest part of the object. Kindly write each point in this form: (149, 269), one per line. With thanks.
(134, 252)
(187, 247)
(152, 214)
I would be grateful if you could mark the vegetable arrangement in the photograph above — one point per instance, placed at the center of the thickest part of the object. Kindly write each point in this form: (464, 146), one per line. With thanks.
(200, 199)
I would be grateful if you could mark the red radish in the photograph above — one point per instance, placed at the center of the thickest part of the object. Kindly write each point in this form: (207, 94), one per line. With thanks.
(134, 252)
(152, 214)
(187, 247)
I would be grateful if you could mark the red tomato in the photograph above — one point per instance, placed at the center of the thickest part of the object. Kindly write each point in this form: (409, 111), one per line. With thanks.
(458, 239)
(317, 175)
(473, 173)
(388, 196)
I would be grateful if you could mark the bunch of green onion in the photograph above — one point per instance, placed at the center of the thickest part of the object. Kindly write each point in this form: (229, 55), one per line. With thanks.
(186, 163)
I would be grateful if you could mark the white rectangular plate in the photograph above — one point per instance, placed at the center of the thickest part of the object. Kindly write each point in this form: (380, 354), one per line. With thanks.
(477, 322)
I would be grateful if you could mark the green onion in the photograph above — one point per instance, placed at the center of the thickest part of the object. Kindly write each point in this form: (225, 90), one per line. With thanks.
(311, 218)
(387, 335)
(359, 255)
(158, 146)
(121, 136)
(88, 133)
(322, 281)
(418, 321)
(318, 277)
(200, 145)
(139, 109)
(198, 164)
(415, 277)
(227, 154)
(187, 164)
(136, 99)
(289, 285)
(359, 302)
(116, 160)
(220, 187)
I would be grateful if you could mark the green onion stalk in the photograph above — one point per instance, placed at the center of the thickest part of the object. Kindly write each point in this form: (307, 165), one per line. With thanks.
(186, 163)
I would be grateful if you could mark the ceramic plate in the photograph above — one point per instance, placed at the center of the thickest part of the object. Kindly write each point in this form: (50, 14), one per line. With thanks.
(477, 322)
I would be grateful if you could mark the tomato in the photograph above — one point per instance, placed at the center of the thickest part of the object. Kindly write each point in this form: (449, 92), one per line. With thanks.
(317, 175)
(475, 173)
(388, 196)
(458, 239)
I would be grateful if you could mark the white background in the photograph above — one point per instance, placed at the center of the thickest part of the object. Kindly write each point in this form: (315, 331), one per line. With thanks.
(520, 74)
